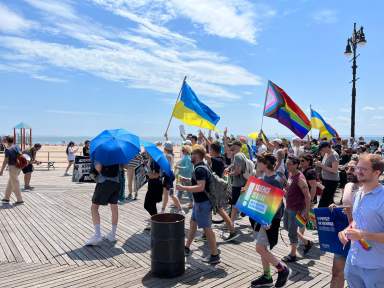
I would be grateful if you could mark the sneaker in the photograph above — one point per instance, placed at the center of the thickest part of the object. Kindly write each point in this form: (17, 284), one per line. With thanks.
(29, 188)
(307, 247)
(18, 203)
(93, 241)
(212, 259)
(262, 281)
(282, 277)
(231, 236)
(201, 239)
(289, 258)
(181, 212)
(187, 252)
(135, 197)
(110, 237)
(67, 174)
(5, 200)
(129, 197)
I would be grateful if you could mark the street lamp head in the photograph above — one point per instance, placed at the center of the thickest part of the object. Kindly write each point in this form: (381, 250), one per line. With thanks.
(348, 49)
(361, 40)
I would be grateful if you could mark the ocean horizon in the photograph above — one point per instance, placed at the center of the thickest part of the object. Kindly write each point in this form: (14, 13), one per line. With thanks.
(59, 140)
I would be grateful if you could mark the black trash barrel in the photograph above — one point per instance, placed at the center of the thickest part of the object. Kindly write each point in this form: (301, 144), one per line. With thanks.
(167, 245)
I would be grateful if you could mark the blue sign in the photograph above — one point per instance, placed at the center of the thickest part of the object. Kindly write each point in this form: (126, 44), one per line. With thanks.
(329, 223)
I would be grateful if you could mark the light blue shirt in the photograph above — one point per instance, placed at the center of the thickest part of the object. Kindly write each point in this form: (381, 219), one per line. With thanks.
(186, 167)
(368, 215)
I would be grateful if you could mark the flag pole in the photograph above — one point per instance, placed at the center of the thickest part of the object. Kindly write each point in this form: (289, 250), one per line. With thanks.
(170, 119)
(265, 104)
(310, 108)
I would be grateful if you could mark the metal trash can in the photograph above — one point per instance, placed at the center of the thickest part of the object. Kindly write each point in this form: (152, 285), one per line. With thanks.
(167, 245)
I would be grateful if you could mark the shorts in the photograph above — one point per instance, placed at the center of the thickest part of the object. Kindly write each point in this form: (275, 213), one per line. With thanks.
(202, 214)
(167, 183)
(235, 194)
(261, 237)
(28, 169)
(291, 225)
(106, 193)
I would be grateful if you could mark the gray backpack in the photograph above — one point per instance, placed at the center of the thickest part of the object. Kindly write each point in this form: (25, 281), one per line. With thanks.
(217, 189)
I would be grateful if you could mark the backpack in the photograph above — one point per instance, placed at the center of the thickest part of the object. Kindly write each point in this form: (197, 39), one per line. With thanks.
(249, 168)
(21, 161)
(217, 189)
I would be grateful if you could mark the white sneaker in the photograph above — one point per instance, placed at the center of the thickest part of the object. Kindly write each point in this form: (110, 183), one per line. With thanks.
(93, 241)
(110, 237)
(181, 212)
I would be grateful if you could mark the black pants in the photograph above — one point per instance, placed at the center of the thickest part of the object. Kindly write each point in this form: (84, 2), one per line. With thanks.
(328, 193)
(153, 196)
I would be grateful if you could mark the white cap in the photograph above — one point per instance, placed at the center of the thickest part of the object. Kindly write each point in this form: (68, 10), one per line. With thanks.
(277, 140)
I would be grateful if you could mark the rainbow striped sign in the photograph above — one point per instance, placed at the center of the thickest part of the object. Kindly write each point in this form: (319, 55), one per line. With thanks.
(260, 201)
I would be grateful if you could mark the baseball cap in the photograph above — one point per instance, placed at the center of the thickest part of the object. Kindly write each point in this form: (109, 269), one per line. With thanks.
(187, 142)
(324, 145)
(277, 140)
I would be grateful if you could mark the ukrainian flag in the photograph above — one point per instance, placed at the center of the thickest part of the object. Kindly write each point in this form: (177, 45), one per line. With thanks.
(192, 111)
(326, 130)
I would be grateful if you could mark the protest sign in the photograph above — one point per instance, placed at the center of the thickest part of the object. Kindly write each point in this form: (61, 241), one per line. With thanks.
(329, 223)
(140, 177)
(82, 169)
(260, 201)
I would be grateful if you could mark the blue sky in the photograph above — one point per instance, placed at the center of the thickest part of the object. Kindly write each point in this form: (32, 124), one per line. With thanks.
(77, 67)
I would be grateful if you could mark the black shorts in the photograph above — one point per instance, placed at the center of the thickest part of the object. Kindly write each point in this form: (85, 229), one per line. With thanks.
(106, 193)
(167, 183)
(28, 169)
(235, 194)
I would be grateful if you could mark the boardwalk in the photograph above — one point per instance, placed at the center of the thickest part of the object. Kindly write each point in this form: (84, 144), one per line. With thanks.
(41, 245)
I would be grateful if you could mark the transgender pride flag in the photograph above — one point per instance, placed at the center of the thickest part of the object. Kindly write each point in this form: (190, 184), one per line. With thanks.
(280, 106)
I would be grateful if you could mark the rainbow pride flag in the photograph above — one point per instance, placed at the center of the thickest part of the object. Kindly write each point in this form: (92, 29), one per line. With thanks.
(366, 246)
(301, 221)
(280, 106)
(192, 111)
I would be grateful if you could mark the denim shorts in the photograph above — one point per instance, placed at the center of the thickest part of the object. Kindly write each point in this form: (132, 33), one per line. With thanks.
(202, 214)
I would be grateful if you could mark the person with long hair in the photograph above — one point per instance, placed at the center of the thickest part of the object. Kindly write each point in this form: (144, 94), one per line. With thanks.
(71, 154)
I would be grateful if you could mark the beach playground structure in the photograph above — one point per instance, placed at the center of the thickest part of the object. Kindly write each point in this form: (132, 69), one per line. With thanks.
(22, 133)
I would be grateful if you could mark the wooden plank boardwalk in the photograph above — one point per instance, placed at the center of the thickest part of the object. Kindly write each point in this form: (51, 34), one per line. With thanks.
(41, 245)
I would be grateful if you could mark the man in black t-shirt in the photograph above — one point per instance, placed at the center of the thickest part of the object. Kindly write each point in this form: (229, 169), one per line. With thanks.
(155, 188)
(86, 148)
(202, 208)
(217, 164)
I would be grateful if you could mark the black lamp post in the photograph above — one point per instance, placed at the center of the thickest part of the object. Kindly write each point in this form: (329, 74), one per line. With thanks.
(358, 37)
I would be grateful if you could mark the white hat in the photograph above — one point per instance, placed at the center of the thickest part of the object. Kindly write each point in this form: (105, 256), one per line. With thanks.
(187, 142)
(168, 146)
(277, 140)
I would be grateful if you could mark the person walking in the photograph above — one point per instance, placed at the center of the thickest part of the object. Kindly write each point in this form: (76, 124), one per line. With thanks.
(269, 236)
(71, 154)
(86, 148)
(298, 201)
(184, 170)
(10, 158)
(202, 208)
(365, 266)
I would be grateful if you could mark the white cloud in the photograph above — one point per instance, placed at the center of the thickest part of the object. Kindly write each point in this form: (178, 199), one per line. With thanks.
(369, 108)
(326, 16)
(11, 22)
(378, 117)
(82, 113)
(48, 78)
(234, 19)
(146, 57)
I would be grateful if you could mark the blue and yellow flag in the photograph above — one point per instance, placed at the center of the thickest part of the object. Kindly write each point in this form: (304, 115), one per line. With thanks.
(192, 111)
(319, 123)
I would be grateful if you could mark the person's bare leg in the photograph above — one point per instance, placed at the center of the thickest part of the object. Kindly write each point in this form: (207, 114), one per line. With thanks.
(115, 214)
(337, 280)
(130, 174)
(226, 219)
(165, 199)
(233, 215)
(176, 202)
(267, 255)
(68, 167)
(211, 238)
(95, 214)
(192, 233)
(27, 179)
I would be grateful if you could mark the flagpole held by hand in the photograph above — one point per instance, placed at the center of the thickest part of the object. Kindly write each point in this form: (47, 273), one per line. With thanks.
(170, 119)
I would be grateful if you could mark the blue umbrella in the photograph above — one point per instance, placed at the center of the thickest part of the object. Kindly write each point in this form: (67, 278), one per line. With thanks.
(114, 147)
(159, 157)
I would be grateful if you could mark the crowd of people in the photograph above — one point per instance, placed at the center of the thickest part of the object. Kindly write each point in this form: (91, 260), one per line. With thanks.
(309, 171)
